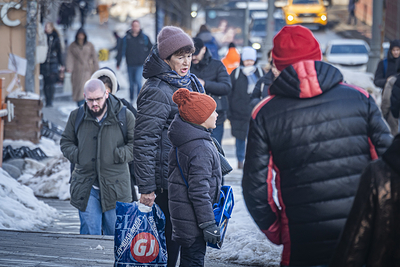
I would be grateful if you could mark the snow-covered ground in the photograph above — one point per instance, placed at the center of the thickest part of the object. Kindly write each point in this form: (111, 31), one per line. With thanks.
(19, 208)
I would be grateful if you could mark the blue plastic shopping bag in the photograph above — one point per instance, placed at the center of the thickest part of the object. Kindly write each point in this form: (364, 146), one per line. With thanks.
(222, 212)
(139, 236)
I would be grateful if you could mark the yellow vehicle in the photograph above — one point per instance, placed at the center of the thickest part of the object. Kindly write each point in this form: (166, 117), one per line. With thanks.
(305, 12)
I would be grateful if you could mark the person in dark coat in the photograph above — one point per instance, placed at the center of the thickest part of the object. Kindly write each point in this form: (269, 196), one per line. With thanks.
(372, 232)
(135, 47)
(261, 89)
(243, 81)
(216, 81)
(389, 66)
(50, 68)
(107, 76)
(308, 143)
(193, 152)
(395, 99)
(167, 68)
(209, 41)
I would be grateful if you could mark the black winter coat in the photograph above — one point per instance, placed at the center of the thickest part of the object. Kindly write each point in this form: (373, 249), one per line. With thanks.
(239, 104)
(395, 99)
(393, 67)
(199, 160)
(135, 49)
(261, 89)
(217, 82)
(313, 136)
(155, 112)
(371, 236)
(54, 56)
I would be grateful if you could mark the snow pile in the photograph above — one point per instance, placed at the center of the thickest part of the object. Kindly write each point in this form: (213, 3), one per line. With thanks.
(47, 178)
(23, 95)
(244, 243)
(51, 180)
(19, 208)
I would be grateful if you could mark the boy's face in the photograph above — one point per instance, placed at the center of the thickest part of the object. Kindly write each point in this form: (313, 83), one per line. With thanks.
(211, 122)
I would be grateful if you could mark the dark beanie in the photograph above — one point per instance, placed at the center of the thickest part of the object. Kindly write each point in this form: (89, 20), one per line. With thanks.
(171, 39)
(194, 107)
(293, 44)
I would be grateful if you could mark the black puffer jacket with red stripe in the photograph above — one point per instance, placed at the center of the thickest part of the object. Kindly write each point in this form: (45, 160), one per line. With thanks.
(313, 136)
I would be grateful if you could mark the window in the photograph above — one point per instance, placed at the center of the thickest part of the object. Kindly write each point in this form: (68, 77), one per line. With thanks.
(349, 49)
(298, 2)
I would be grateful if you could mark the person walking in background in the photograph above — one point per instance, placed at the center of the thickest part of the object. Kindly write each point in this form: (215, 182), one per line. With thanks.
(166, 69)
(243, 79)
(395, 98)
(209, 41)
(352, 9)
(100, 177)
(135, 47)
(308, 143)
(371, 234)
(82, 62)
(102, 10)
(388, 67)
(50, 68)
(194, 153)
(232, 58)
(215, 80)
(261, 89)
(84, 9)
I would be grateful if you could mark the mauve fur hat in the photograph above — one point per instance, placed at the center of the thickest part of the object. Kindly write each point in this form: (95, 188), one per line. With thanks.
(171, 39)
(194, 107)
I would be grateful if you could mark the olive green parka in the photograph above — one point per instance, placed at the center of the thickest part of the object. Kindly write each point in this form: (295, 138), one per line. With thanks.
(99, 151)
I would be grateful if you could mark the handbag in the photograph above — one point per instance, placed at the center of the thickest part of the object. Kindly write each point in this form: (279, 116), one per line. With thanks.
(225, 166)
(222, 209)
(139, 236)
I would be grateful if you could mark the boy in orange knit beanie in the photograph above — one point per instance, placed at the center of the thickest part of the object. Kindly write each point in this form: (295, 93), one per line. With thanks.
(194, 175)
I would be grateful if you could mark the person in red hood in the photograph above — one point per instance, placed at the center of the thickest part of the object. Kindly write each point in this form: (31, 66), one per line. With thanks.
(308, 143)
(232, 59)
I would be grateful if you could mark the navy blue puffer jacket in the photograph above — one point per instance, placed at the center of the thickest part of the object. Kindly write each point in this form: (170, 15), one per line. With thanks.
(155, 112)
(199, 160)
(313, 136)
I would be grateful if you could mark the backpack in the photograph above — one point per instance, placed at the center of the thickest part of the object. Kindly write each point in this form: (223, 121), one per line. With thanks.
(122, 124)
(385, 64)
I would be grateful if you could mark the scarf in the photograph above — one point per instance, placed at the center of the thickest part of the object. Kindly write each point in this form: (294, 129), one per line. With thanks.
(249, 72)
(189, 81)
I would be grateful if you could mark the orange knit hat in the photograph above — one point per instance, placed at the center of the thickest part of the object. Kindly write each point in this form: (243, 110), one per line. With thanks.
(194, 107)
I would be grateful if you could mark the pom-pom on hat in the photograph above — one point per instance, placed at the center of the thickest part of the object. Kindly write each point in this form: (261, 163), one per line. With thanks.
(194, 107)
(293, 44)
(249, 53)
(171, 39)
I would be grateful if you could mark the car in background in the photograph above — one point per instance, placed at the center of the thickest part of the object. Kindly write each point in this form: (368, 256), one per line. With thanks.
(348, 54)
(257, 28)
(306, 12)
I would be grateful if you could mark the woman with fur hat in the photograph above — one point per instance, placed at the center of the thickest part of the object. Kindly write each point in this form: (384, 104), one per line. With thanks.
(243, 79)
(167, 68)
(193, 152)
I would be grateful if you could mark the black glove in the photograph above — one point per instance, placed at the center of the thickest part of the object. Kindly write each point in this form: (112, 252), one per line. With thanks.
(212, 234)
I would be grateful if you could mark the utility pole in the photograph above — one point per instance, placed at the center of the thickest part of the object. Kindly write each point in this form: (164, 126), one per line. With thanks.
(30, 43)
(376, 43)
(246, 25)
(270, 28)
